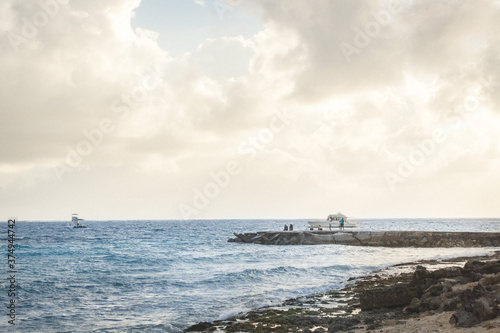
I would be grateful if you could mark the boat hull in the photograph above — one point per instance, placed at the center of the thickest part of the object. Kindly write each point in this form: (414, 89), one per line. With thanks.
(331, 225)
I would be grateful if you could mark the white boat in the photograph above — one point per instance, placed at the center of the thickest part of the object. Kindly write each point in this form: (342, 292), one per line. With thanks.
(333, 222)
(76, 222)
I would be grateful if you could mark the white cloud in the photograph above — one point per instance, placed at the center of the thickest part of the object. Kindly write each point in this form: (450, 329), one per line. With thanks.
(166, 123)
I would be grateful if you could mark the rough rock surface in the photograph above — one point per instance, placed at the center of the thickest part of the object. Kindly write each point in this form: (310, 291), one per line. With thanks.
(467, 291)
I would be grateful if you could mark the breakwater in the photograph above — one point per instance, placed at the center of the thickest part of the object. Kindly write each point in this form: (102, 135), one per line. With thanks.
(373, 238)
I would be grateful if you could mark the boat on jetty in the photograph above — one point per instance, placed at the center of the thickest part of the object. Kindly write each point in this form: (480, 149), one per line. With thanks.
(333, 222)
(75, 222)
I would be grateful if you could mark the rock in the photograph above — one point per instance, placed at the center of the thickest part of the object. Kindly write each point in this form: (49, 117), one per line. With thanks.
(472, 270)
(421, 273)
(490, 280)
(345, 238)
(200, 327)
(473, 265)
(490, 267)
(477, 306)
(439, 273)
(394, 296)
(449, 304)
(234, 240)
(434, 290)
(343, 325)
(414, 306)
(422, 279)
(438, 288)
(378, 238)
(423, 241)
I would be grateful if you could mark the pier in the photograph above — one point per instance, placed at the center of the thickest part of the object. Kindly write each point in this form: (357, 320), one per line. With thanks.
(372, 238)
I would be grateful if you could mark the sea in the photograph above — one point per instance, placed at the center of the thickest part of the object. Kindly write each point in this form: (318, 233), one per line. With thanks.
(163, 276)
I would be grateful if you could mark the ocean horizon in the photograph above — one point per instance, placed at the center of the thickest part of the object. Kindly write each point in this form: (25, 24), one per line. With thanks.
(165, 275)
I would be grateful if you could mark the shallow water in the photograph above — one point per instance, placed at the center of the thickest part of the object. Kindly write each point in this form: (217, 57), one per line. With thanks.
(162, 276)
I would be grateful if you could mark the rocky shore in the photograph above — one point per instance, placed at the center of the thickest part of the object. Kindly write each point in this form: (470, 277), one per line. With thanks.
(428, 296)
(372, 238)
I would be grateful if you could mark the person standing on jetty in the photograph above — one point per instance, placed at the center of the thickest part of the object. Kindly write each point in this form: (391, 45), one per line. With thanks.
(285, 228)
(341, 225)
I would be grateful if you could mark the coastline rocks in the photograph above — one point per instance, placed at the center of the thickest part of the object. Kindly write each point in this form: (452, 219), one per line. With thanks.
(471, 292)
(200, 327)
(476, 306)
(391, 297)
(483, 267)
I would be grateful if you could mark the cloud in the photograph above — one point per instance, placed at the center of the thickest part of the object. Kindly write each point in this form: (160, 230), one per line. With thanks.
(368, 85)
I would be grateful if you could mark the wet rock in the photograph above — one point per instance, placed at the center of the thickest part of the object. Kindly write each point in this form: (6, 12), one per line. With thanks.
(345, 238)
(388, 297)
(343, 325)
(420, 275)
(490, 280)
(450, 272)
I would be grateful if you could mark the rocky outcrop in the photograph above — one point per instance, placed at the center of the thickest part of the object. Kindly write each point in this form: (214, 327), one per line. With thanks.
(466, 295)
(471, 292)
(476, 306)
(391, 297)
(373, 238)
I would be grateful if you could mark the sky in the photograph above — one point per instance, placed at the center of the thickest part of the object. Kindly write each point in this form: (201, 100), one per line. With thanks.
(237, 109)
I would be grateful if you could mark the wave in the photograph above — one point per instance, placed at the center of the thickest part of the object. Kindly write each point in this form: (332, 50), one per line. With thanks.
(252, 275)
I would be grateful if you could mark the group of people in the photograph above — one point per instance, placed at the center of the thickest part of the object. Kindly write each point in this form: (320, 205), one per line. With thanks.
(286, 228)
(341, 223)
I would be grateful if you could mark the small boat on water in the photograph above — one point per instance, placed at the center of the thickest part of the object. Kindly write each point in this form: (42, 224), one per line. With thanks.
(333, 222)
(76, 222)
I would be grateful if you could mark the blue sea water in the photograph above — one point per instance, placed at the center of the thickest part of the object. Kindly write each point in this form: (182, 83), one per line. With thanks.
(162, 276)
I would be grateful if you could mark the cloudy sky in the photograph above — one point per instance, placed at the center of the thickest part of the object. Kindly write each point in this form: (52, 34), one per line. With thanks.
(193, 109)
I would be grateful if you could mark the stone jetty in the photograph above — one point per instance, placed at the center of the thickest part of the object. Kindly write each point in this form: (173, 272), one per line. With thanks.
(373, 238)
